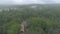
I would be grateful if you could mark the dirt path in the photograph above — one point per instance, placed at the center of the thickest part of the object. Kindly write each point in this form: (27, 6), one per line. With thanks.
(24, 29)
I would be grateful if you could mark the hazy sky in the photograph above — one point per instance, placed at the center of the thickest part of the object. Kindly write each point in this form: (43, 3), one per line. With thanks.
(28, 1)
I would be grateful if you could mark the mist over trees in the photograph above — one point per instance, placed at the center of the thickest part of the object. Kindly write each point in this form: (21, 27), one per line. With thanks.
(41, 19)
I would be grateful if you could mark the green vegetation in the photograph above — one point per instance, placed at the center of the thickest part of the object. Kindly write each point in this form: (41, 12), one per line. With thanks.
(43, 19)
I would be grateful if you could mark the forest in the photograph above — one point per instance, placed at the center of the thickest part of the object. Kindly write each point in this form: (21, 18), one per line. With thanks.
(41, 19)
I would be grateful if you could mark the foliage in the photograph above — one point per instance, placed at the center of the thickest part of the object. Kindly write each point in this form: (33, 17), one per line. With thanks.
(41, 19)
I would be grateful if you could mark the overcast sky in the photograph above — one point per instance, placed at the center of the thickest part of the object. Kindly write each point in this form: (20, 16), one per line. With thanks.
(28, 1)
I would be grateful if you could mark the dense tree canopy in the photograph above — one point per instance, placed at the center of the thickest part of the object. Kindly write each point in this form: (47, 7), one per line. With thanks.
(40, 19)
